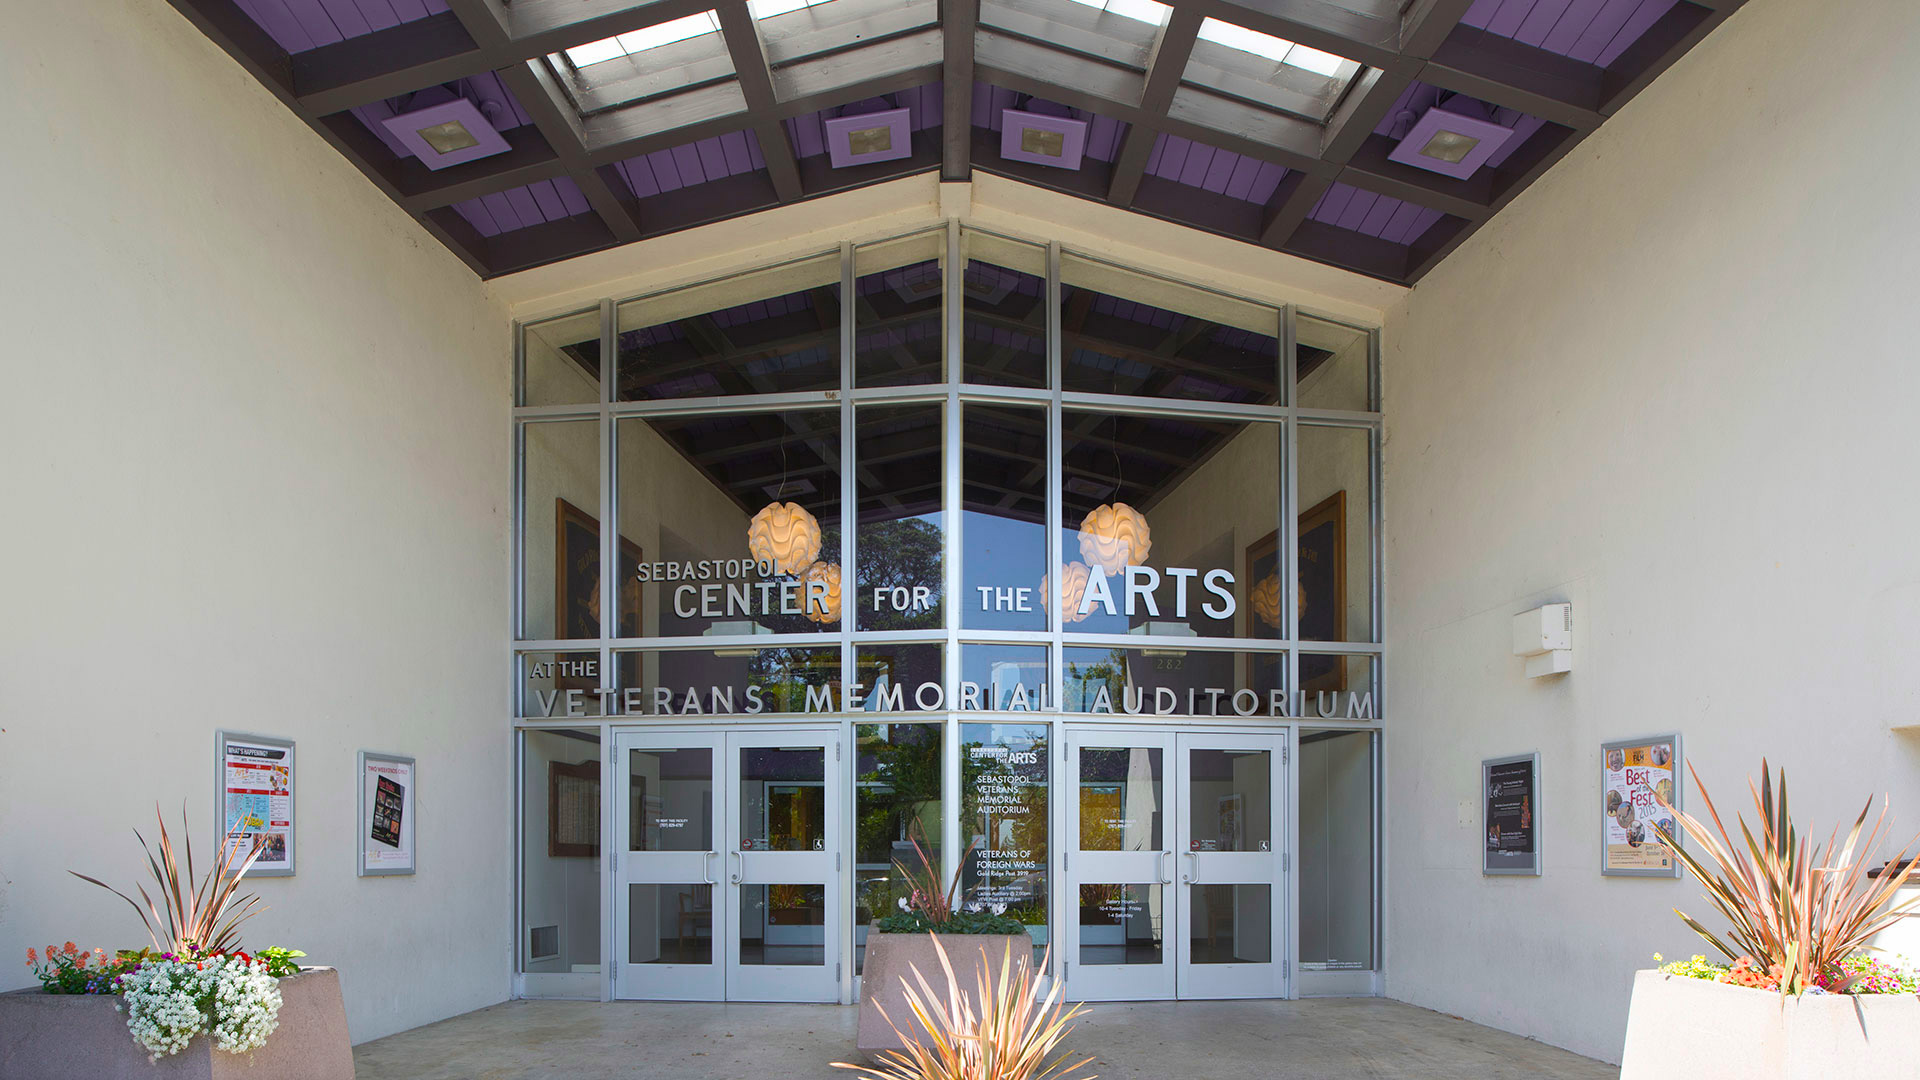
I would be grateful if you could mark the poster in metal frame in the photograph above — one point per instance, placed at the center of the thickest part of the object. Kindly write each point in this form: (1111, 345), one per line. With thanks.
(1641, 764)
(231, 796)
(1525, 861)
(387, 812)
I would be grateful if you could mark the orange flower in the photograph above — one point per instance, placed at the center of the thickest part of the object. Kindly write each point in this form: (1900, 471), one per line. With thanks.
(32, 957)
(69, 948)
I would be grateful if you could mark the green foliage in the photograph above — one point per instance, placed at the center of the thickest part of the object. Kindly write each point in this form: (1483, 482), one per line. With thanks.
(960, 922)
(281, 962)
(1699, 967)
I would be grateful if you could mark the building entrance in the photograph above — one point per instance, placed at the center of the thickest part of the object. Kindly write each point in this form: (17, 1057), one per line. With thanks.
(728, 864)
(1174, 866)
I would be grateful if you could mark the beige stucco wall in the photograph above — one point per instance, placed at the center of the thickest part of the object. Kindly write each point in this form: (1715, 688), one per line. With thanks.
(256, 477)
(1668, 385)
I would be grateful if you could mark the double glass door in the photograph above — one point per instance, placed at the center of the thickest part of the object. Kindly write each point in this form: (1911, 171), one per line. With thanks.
(727, 865)
(1174, 884)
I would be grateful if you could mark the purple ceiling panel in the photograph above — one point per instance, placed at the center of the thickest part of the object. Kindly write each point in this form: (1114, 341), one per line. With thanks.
(1381, 216)
(1419, 97)
(486, 90)
(299, 25)
(713, 158)
(1210, 168)
(809, 135)
(534, 204)
(1104, 134)
(1591, 31)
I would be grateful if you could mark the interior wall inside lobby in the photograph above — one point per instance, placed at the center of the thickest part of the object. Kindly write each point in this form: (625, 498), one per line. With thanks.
(256, 480)
(1644, 389)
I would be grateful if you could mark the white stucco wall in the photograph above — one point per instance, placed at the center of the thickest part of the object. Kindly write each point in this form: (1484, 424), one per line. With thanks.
(1668, 385)
(256, 477)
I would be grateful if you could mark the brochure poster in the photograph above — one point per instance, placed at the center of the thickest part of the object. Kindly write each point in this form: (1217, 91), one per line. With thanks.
(387, 814)
(1510, 790)
(1636, 774)
(1004, 818)
(256, 799)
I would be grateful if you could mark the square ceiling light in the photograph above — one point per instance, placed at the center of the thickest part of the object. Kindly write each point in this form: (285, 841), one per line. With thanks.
(876, 136)
(1059, 141)
(1450, 144)
(446, 134)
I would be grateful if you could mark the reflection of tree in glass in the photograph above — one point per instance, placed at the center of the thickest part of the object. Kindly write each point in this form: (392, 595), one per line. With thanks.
(902, 554)
(783, 676)
(1084, 680)
(899, 798)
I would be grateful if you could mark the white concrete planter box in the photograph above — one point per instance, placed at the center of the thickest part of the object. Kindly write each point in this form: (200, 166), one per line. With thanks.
(890, 958)
(1680, 1027)
(60, 1036)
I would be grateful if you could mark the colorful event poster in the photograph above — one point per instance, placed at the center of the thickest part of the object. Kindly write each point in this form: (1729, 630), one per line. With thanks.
(387, 812)
(1510, 800)
(1636, 775)
(256, 799)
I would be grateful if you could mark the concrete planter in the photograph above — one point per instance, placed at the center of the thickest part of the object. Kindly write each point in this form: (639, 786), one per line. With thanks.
(891, 957)
(1690, 1027)
(59, 1036)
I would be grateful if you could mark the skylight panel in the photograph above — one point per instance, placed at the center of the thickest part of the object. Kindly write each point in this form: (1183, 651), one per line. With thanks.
(1279, 50)
(767, 9)
(1150, 12)
(652, 37)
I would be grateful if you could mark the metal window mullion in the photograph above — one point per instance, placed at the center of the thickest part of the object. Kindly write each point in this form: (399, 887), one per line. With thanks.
(1056, 488)
(849, 483)
(952, 304)
(1287, 527)
(741, 403)
(609, 525)
(1171, 407)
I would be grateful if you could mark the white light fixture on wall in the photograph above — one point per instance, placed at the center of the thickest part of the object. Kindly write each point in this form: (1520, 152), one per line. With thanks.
(1545, 637)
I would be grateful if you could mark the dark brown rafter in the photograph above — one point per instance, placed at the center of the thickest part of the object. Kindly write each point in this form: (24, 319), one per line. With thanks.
(749, 55)
(958, 20)
(801, 68)
(1170, 55)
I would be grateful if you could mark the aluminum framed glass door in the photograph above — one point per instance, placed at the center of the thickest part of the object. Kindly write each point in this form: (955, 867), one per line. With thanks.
(784, 859)
(1230, 831)
(668, 918)
(1119, 863)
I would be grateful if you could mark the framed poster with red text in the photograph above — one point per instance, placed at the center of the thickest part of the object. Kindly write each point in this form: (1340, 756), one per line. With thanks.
(254, 791)
(1635, 775)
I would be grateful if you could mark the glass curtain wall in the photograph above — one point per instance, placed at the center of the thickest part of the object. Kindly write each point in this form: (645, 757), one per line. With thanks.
(945, 473)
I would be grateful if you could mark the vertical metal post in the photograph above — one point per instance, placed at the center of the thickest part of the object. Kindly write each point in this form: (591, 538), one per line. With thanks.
(1288, 525)
(849, 605)
(609, 624)
(1055, 496)
(953, 305)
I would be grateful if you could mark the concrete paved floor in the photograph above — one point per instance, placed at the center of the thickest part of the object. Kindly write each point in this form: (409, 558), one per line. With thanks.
(1198, 1040)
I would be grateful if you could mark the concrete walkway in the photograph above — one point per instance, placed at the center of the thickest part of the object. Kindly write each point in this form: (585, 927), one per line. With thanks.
(1198, 1040)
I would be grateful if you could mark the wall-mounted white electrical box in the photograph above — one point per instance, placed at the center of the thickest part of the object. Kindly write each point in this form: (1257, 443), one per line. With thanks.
(1545, 637)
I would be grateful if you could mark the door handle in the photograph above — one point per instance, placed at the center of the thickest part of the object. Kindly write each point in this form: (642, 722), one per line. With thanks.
(740, 867)
(1165, 879)
(1194, 874)
(706, 867)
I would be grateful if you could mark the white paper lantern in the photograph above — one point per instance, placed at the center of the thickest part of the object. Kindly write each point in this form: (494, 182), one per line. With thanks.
(821, 609)
(785, 535)
(1073, 587)
(1266, 600)
(1114, 536)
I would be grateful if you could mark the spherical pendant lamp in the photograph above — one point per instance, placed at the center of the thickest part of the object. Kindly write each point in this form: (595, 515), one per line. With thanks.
(1114, 536)
(821, 609)
(1266, 600)
(1073, 587)
(785, 535)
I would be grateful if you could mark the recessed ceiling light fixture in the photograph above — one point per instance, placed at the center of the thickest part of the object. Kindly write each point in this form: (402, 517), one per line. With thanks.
(1450, 143)
(886, 135)
(446, 134)
(1059, 141)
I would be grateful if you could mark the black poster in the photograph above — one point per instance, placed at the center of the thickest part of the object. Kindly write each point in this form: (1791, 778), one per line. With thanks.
(388, 800)
(1512, 815)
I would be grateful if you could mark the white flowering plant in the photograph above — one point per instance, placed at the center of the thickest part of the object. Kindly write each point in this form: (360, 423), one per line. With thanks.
(232, 999)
